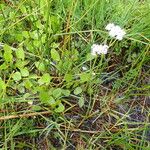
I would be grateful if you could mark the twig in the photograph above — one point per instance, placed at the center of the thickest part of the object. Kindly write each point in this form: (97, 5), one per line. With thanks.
(24, 115)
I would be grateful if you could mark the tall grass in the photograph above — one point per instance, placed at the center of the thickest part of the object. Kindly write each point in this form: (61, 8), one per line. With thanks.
(47, 100)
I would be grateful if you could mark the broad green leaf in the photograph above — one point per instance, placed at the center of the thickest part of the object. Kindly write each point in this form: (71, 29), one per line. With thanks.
(36, 43)
(19, 37)
(45, 79)
(57, 92)
(55, 45)
(60, 108)
(66, 92)
(46, 98)
(55, 24)
(55, 55)
(4, 66)
(28, 84)
(40, 66)
(81, 102)
(20, 63)
(84, 77)
(25, 34)
(90, 90)
(8, 54)
(23, 9)
(34, 35)
(24, 72)
(78, 90)
(52, 101)
(7, 48)
(68, 77)
(38, 24)
(16, 76)
(20, 53)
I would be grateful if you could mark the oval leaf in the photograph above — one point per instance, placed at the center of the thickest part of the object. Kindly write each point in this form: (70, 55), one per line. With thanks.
(16, 76)
(55, 55)
(20, 53)
(78, 90)
(60, 108)
(24, 72)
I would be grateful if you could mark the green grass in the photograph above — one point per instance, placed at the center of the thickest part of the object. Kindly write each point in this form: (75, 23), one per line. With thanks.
(47, 101)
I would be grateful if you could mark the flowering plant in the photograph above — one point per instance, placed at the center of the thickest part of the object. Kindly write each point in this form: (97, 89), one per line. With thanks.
(114, 31)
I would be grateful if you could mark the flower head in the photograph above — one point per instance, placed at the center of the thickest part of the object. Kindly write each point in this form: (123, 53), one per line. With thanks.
(95, 49)
(115, 31)
(99, 49)
(104, 49)
(109, 26)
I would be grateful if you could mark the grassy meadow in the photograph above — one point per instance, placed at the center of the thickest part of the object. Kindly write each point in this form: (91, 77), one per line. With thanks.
(55, 95)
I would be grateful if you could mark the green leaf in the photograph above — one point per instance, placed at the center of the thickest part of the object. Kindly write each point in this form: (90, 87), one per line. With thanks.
(25, 34)
(81, 102)
(2, 84)
(19, 37)
(24, 72)
(34, 34)
(38, 24)
(55, 55)
(55, 45)
(21, 88)
(57, 92)
(8, 54)
(45, 79)
(16, 76)
(28, 84)
(84, 77)
(52, 101)
(78, 90)
(20, 53)
(20, 63)
(7, 48)
(89, 57)
(66, 92)
(36, 108)
(40, 66)
(23, 9)
(4, 66)
(46, 98)
(68, 77)
(60, 108)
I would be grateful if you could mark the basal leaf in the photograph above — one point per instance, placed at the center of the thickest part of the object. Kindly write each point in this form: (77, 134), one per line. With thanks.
(55, 55)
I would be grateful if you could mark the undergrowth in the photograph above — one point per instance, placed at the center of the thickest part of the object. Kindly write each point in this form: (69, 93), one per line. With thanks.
(54, 94)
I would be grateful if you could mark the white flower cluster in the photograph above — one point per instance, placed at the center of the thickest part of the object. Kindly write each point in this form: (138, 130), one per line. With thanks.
(115, 31)
(99, 49)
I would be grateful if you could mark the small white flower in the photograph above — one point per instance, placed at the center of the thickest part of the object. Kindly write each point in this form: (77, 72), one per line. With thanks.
(84, 68)
(95, 49)
(120, 35)
(109, 26)
(104, 49)
(115, 31)
(30, 102)
(99, 49)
